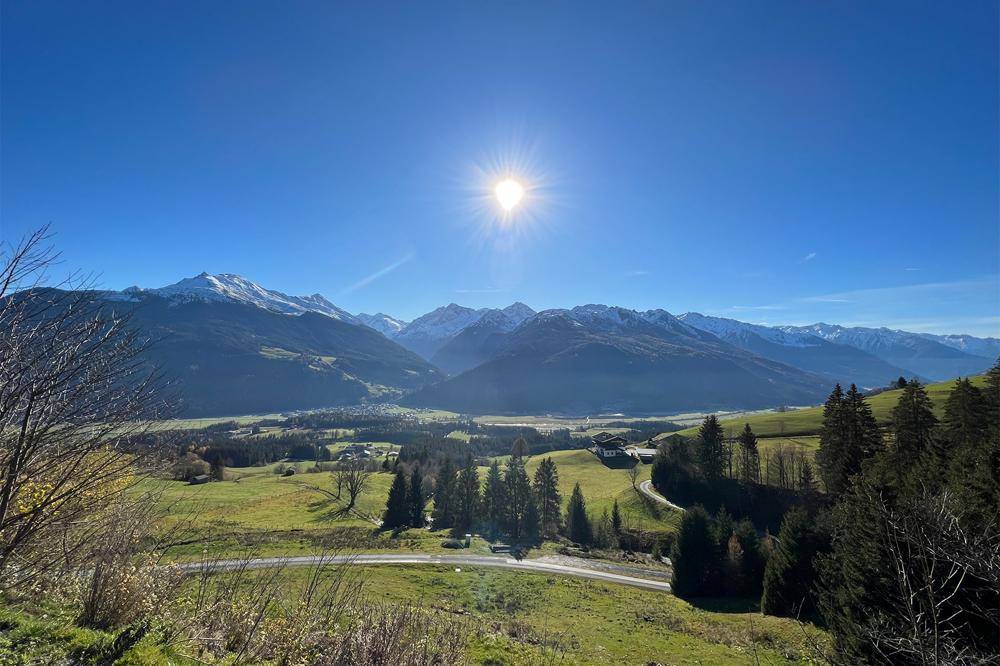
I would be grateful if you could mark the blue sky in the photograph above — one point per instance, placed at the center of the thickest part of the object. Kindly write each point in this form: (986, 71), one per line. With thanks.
(780, 163)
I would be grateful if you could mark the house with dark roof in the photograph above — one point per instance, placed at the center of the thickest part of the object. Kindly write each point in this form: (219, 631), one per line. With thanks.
(607, 445)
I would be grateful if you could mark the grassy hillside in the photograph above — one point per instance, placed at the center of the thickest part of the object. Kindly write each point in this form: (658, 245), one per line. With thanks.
(808, 421)
(287, 515)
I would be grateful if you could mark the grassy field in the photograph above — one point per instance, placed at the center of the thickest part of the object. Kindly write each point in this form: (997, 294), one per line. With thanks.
(293, 514)
(602, 486)
(590, 622)
(807, 421)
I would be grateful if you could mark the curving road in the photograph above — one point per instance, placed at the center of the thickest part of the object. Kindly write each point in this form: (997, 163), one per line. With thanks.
(369, 559)
(646, 488)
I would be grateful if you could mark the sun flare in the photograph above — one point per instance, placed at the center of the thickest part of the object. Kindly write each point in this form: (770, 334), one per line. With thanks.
(509, 193)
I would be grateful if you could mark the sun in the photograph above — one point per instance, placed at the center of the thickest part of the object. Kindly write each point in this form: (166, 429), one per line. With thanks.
(509, 193)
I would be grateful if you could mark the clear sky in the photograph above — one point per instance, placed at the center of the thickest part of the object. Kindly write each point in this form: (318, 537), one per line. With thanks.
(774, 162)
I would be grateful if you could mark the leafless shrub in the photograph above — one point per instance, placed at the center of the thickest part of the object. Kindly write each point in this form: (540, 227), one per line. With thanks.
(74, 391)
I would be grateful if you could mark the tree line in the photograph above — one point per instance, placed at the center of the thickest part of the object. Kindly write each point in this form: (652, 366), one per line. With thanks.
(901, 562)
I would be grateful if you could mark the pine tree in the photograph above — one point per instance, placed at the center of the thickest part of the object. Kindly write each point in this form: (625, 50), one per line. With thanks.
(494, 499)
(416, 498)
(578, 527)
(789, 576)
(531, 526)
(546, 485)
(913, 424)
(695, 555)
(445, 496)
(749, 457)
(467, 496)
(616, 519)
(397, 506)
(711, 450)
(965, 414)
(518, 494)
(807, 483)
(974, 468)
(832, 442)
(753, 560)
(865, 436)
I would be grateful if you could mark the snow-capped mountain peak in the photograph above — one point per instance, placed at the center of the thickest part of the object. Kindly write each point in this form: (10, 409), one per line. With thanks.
(731, 329)
(383, 323)
(235, 288)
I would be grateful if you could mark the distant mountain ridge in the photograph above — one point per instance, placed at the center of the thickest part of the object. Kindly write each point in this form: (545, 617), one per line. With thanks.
(593, 359)
(239, 347)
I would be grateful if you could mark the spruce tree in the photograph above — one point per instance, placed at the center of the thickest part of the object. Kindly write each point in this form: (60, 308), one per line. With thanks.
(832, 442)
(467, 496)
(913, 424)
(518, 495)
(616, 519)
(695, 555)
(753, 560)
(711, 449)
(445, 496)
(789, 577)
(531, 525)
(749, 457)
(578, 527)
(397, 506)
(865, 436)
(416, 498)
(494, 500)
(546, 485)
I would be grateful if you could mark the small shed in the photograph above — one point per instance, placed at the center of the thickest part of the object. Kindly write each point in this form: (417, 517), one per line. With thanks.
(200, 479)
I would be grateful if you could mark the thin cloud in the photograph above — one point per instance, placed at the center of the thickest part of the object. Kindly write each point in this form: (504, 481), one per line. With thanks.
(808, 257)
(364, 282)
(637, 273)
(911, 269)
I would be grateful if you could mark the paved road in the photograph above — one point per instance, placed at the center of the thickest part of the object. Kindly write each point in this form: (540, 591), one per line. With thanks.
(448, 560)
(646, 488)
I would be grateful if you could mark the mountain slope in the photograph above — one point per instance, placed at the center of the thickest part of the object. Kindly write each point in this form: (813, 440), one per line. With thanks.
(925, 357)
(600, 359)
(227, 287)
(840, 363)
(426, 334)
(383, 323)
(234, 358)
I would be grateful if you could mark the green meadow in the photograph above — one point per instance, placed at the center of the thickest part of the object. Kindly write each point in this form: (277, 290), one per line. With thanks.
(808, 421)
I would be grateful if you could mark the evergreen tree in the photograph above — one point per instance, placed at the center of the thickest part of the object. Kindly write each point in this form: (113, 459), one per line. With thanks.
(616, 519)
(467, 496)
(494, 500)
(711, 449)
(445, 501)
(578, 527)
(789, 576)
(416, 498)
(913, 424)
(807, 483)
(749, 457)
(673, 472)
(965, 414)
(531, 526)
(546, 485)
(865, 437)
(695, 555)
(520, 448)
(833, 442)
(849, 436)
(518, 495)
(753, 561)
(397, 506)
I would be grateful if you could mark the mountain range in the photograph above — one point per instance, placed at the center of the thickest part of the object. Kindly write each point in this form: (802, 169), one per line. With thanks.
(237, 347)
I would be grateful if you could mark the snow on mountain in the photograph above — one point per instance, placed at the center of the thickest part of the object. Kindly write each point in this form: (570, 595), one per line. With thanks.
(985, 347)
(383, 323)
(234, 288)
(518, 312)
(731, 329)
